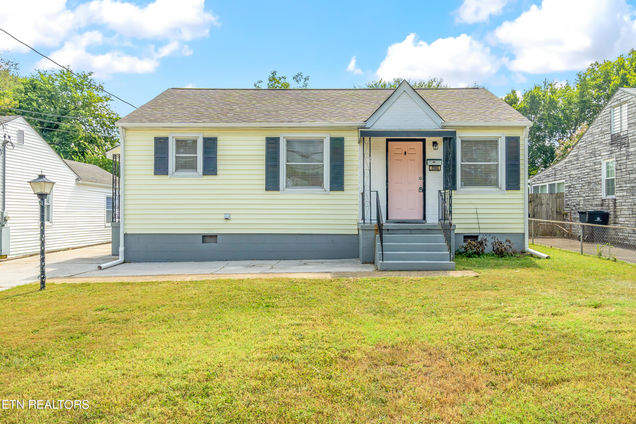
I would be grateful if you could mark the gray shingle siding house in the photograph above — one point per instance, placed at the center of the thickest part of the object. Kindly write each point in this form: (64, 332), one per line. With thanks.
(600, 171)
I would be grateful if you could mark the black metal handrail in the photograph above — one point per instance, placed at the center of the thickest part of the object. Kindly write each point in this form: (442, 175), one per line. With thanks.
(380, 222)
(445, 205)
(445, 217)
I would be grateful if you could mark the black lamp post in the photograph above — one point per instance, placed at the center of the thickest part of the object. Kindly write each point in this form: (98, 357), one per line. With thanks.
(42, 187)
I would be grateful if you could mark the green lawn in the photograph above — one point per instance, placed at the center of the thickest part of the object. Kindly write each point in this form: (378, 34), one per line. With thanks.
(529, 340)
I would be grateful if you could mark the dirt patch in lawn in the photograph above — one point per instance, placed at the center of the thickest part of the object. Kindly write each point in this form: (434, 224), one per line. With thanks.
(408, 380)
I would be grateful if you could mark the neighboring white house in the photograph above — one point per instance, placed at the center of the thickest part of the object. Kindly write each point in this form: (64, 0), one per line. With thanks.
(78, 212)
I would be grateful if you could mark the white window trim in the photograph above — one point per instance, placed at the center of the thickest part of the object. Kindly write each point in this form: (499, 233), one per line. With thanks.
(108, 223)
(603, 178)
(172, 153)
(501, 165)
(283, 164)
(613, 129)
(547, 184)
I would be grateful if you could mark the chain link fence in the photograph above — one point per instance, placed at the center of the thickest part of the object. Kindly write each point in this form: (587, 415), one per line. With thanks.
(608, 241)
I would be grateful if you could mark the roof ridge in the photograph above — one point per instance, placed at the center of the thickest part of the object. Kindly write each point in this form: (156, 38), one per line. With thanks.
(321, 89)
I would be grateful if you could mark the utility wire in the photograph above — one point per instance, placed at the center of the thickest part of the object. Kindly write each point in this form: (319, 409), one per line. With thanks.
(44, 113)
(46, 120)
(64, 67)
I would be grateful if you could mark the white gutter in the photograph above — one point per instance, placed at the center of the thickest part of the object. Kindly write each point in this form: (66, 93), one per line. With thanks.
(122, 133)
(487, 124)
(239, 125)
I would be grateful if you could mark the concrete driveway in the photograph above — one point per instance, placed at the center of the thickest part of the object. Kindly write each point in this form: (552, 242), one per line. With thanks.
(67, 263)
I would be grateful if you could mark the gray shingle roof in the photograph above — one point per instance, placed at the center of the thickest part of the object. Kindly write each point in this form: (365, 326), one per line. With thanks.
(5, 119)
(254, 106)
(630, 90)
(88, 173)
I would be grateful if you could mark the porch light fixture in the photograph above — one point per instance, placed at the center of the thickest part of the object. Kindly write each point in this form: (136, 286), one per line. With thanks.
(435, 145)
(42, 187)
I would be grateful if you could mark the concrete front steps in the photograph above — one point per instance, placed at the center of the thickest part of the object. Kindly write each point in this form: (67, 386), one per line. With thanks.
(413, 247)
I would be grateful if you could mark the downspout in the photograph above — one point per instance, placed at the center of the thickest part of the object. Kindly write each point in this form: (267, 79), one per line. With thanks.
(525, 198)
(525, 188)
(120, 260)
(3, 211)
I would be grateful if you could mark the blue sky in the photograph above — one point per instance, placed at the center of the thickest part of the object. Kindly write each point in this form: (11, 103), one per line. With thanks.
(139, 48)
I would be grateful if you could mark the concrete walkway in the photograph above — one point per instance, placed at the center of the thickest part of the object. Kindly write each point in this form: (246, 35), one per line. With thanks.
(14, 272)
(80, 265)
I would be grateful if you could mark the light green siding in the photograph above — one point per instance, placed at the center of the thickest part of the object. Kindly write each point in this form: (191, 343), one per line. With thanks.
(496, 211)
(163, 204)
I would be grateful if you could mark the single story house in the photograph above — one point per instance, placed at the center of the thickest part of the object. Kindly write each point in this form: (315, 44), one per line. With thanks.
(399, 177)
(78, 211)
(599, 173)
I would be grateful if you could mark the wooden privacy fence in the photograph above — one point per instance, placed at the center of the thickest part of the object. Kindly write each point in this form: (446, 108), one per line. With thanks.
(550, 206)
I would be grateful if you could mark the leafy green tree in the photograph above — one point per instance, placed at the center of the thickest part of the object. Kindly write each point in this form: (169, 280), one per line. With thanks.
(429, 83)
(9, 82)
(71, 112)
(562, 112)
(280, 81)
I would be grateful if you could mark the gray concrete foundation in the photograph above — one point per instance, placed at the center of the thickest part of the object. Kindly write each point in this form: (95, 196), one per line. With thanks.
(517, 239)
(191, 247)
(115, 238)
(366, 232)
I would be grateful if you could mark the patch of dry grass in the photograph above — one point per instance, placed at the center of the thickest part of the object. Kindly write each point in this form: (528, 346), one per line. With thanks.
(527, 341)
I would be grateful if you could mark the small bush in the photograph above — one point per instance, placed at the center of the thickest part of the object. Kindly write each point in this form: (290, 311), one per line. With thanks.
(502, 248)
(474, 248)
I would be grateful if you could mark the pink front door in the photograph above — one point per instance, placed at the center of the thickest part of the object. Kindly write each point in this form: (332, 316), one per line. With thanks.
(406, 184)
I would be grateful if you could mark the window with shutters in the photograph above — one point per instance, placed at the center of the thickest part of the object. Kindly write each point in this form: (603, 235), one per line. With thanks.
(305, 163)
(186, 153)
(618, 119)
(480, 163)
(609, 178)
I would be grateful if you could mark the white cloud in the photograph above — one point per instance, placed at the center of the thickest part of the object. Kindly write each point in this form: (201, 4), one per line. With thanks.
(561, 35)
(472, 11)
(53, 24)
(162, 19)
(74, 54)
(460, 61)
(353, 68)
(36, 22)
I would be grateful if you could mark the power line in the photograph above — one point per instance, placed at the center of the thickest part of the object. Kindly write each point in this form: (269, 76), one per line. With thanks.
(64, 67)
(45, 113)
(45, 120)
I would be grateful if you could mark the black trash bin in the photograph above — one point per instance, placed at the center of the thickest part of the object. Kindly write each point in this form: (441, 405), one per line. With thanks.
(598, 217)
(594, 234)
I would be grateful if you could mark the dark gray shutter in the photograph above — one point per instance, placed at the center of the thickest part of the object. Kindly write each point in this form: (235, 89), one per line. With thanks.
(450, 166)
(272, 163)
(209, 155)
(513, 165)
(161, 155)
(336, 164)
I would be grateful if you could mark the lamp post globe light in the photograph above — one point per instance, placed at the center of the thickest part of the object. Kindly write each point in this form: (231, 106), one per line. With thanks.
(42, 187)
